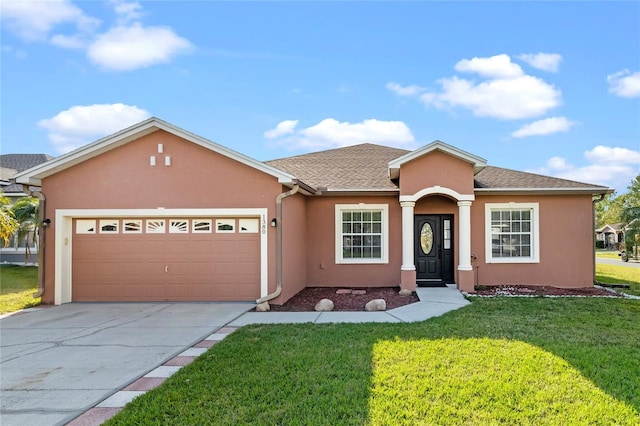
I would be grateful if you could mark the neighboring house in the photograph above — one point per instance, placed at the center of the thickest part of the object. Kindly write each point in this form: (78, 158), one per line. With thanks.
(155, 213)
(10, 165)
(612, 235)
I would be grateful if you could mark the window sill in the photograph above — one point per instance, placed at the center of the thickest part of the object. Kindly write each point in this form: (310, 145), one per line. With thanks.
(361, 262)
(513, 260)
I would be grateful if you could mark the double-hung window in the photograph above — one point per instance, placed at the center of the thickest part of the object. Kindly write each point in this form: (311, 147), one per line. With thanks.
(512, 233)
(362, 233)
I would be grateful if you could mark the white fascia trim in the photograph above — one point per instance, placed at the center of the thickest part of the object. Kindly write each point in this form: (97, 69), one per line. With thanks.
(394, 165)
(35, 175)
(510, 191)
(64, 234)
(338, 233)
(535, 232)
(438, 190)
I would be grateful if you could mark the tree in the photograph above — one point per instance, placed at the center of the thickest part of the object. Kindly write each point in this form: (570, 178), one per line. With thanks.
(609, 210)
(630, 216)
(26, 212)
(8, 222)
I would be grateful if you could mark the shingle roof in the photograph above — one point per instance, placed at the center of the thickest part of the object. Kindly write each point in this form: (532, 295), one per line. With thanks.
(491, 177)
(354, 167)
(19, 163)
(366, 167)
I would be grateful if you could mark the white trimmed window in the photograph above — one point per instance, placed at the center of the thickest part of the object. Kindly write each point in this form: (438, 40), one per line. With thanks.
(109, 226)
(85, 226)
(248, 226)
(362, 233)
(512, 233)
(155, 226)
(201, 226)
(132, 226)
(225, 226)
(178, 226)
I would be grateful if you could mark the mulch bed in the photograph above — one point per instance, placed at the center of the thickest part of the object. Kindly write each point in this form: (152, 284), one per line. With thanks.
(344, 299)
(353, 299)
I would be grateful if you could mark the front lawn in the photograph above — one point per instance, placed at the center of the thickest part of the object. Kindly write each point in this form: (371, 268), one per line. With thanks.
(619, 274)
(608, 254)
(497, 361)
(17, 285)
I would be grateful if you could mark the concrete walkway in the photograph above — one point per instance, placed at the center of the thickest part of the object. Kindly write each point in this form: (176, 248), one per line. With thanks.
(433, 302)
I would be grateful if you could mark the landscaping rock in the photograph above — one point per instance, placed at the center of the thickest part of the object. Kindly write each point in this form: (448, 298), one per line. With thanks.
(405, 292)
(263, 307)
(325, 305)
(376, 305)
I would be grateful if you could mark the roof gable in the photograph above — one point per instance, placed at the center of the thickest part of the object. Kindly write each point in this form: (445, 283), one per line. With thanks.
(35, 175)
(394, 165)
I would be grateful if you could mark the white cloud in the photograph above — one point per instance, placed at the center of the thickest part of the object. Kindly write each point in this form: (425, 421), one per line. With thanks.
(331, 133)
(505, 91)
(35, 20)
(544, 127)
(82, 124)
(136, 46)
(498, 66)
(625, 84)
(542, 61)
(285, 127)
(127, 11)
(606, 154)
(503, 98)
(609, 166)
(404, 90)
(127, 46)
(76, 41)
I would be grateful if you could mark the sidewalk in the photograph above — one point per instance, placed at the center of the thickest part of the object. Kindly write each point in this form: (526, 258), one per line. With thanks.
(433, 302)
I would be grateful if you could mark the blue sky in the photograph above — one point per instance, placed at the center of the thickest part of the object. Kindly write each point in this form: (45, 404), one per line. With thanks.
(546, 87)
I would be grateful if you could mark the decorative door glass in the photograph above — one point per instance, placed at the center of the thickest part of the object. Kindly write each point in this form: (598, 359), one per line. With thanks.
(426, 238)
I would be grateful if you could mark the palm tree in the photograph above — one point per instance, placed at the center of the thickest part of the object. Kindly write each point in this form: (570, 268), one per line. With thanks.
(8, 222)
(25, 210)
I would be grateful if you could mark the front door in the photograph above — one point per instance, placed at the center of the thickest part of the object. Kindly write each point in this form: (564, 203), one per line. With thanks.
(433, 249)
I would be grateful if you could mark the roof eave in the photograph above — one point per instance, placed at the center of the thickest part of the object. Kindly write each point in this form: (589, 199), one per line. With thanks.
(595, 190)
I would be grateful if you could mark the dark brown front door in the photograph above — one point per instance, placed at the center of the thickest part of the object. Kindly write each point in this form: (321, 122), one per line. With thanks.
(433, 249)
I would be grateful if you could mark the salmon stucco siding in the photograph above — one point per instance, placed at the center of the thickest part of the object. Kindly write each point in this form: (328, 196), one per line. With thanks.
(156, 213)
(566, 243)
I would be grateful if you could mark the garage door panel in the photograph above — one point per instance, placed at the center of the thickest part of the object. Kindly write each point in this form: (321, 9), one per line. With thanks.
(184, 266)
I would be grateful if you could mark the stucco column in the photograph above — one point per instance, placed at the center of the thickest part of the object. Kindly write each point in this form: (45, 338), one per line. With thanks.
(465, 270)
(408, 269)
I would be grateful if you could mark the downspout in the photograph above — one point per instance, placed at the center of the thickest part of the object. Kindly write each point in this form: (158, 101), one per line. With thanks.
(593, 215)
(279, 199)
(41, 236)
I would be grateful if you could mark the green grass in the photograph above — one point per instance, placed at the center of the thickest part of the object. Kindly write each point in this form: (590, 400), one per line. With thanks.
(619, 274)
(508, 361)
(608, 254)
(17, 285)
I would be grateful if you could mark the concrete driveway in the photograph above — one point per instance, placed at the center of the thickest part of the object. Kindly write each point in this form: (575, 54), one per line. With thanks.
(58, 362)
